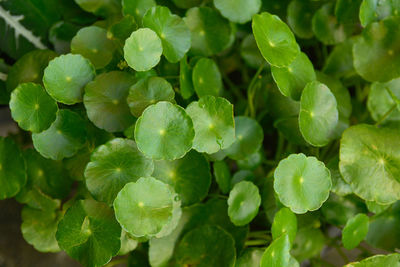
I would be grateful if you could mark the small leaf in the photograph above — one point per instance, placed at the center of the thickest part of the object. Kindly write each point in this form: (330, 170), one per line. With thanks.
(244, 201)
(302, 183)
(143, 49)
(113, 165)
(319, 115)
(190, 176)
(206, 246)
(105, 101)
(239, 11)
(206, 78)
(274, 39)
(66, 76)
(89, 233)
(32, 108)
(355, 231)
(213, 123)
(127, 244)
(164, 131)
(148, 91)
(277, 254)
(145, 208)
(64, 138)
(285, 222)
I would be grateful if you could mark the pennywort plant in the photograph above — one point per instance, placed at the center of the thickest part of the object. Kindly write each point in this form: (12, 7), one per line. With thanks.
(213, 133)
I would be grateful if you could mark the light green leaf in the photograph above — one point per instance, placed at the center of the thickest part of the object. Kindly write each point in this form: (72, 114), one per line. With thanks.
(392, 260)
(381, 99)
(137, 8)
(32, 108)
(302, 183)
(285, 222)
(206, 78)
(105, 101)
(143, 49)
(103, 8)
(239, 11)
(149, 91)
(113, 165)
(127, 244)
(277, 254)
(164, 131)
(66, 76)
(274, 39)
(355, 231)
(64, 138)
(89, 233)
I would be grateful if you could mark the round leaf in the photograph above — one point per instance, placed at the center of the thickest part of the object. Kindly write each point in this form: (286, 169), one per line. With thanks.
(355, 231)
(210, 32)
(32, 108)
(12, 168)
(190, 176)
(302, 183)
(319, 115)
(380, 100)
(206, 78)
(144, 208)
(300, 13)
(143, 49)
(137, 8)
(239, 11)
(89, 233)
(64, 137)
(392, 260)
(274, 39)
(249, 137)
(164, 131)
(278, 254)
(308, 243)
(66, 76)
(113, 165)
(285, 222)
(292, 79)
(213, 124)
(370, 164)
(172, 30)
(376, 53)
(149, 91)
(105, 101)
(244, 201)
(206, 246)
(92, 43)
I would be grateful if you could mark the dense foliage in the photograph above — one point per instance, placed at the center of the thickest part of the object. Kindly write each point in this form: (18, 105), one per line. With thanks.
(213, 133)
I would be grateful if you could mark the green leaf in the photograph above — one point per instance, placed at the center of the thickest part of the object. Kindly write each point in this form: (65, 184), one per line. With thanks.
(251, 257)
(239, 11)
(355, 231)
(244, 201)
(113, 165)
(164, 131)
(186, 3)
(285, 222)
(375, 207)
(122, 29)
(149, 91)
(392, 260)
(299, 17)
(103, 8)
(146, 208)
(368, 162)
(64, 138)
(250, 53)
(292, 79)
(372, 10)
(381, 99)
(12, 168)
(375, 53)
(39, 228)
(210, 32)
(137, 8)
(346, 11)
(92, 43)
(105, 101)
(190, 176)
(213, 123)
(339, 62)
(206, 246)
(302, 183)
(32, 108)
(89, 233)
(308, 243)
(277, 254)
(185, 79)
(274, 39)
(319, 115)
(66, 76)
(172, 30)
(127, 244)
(242, 175)
(249, 137)
(222, 176)
(206, 78)
(143, 49)
(29, 68)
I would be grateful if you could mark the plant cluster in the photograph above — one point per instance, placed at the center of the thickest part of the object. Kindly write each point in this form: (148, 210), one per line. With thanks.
(212, 133)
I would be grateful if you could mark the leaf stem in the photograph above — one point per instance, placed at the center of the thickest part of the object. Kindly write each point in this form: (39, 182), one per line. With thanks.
(252, 88)
(256, 242)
